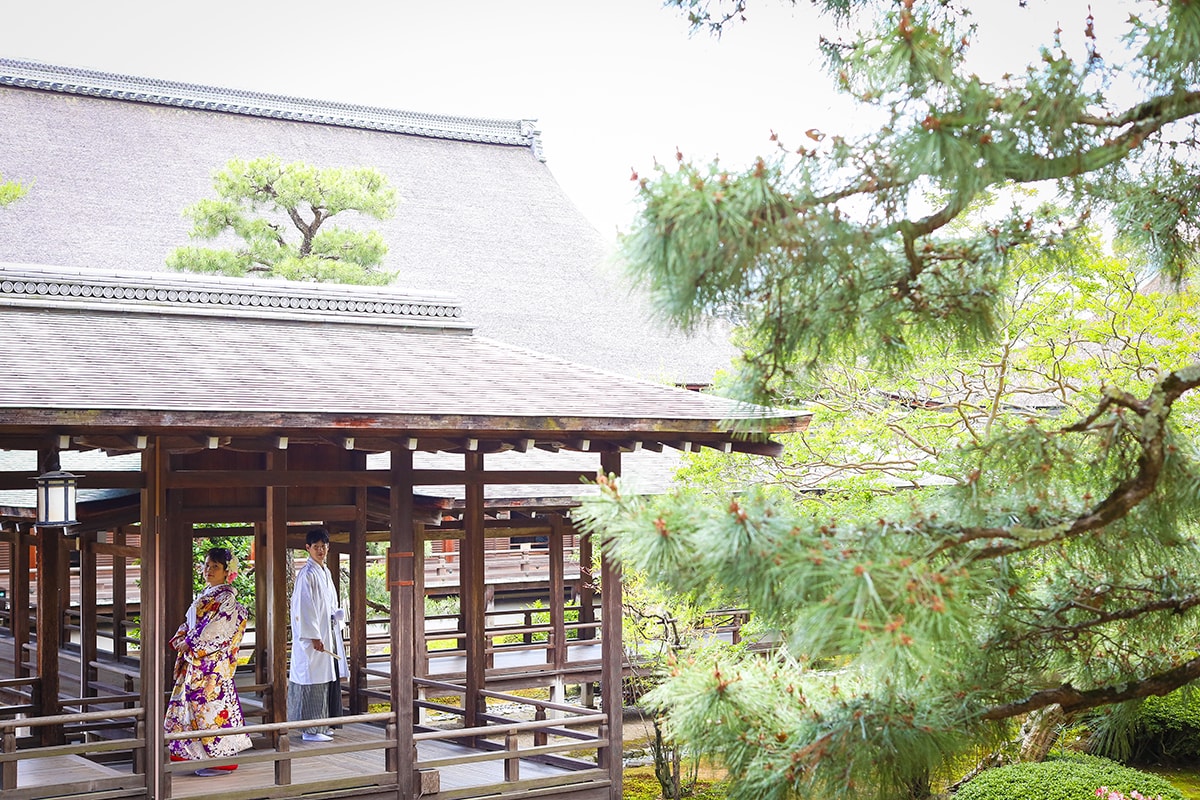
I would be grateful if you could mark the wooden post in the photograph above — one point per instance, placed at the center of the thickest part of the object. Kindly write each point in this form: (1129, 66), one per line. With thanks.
(152, 621)
(120, 601)
(178, 570)
(275, 625)
(49, 629)
(8, 773)
(88, 623)
(420, 646)
(283, 766)
(512, 764)
(587, 589)
(401, 583)
(262, 613)
(358, 601)
(612, 654)
(472, 593)
(18, 602)
(557, 654)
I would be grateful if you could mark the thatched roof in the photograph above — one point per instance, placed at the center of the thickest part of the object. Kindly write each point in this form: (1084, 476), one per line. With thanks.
(114, 160)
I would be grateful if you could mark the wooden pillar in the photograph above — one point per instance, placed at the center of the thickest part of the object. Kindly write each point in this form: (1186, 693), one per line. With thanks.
(472, 592)
(612, 653)
(262, 613)
(557, 655)
(274, 625)
(401, 583)
(120, 601)
(49, 628)
(420, 646)
(358, 602)
(178, 571)
(88, 622)
(587, 589)
(18, 602)
(152, 623)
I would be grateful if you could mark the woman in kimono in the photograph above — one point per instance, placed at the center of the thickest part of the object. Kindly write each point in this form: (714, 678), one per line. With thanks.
(205, 697)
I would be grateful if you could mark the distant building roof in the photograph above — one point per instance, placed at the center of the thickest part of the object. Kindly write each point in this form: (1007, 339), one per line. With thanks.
(114, 160)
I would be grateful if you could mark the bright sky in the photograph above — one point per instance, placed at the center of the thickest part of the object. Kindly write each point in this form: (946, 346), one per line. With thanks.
(614, 84)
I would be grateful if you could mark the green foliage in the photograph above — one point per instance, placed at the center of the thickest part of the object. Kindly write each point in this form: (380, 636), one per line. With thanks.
(11, 191)
(1074, 777)
(933, 288)
(834, 246)
(266, 204)
(1159, 730)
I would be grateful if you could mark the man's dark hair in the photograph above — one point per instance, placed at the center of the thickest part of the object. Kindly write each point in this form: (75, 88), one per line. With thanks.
(315, 535)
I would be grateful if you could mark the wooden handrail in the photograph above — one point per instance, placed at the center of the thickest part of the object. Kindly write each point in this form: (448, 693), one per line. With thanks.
(491, 730)
(271, 727)
(66, 719)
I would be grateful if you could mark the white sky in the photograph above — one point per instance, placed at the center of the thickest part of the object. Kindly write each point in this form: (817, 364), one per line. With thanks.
(614, 84)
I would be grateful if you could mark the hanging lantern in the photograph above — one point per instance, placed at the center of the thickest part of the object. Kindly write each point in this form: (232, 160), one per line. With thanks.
(56, 499)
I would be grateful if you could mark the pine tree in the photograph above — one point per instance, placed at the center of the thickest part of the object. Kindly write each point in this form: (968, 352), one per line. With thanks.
(1060, 566)
(281, 214)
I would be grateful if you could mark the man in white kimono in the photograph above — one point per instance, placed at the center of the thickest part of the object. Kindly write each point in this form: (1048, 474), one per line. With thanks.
(318, 654)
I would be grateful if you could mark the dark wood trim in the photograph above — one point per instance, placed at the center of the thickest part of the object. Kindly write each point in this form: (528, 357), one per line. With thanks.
(358, 603)
(612, 654)
(153, 643)
(402, 583)
(87, 613)
(498, 477)
(19, 602)
(49, 629)
(471, 594)
(513, 429)
(93, 479)
(275, 586)
(120, 611)
(557, 654)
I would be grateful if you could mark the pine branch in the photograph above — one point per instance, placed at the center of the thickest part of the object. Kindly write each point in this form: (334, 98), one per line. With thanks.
(1073, 700)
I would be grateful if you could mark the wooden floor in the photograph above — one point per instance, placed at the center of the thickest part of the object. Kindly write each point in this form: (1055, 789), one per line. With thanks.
(47, 777)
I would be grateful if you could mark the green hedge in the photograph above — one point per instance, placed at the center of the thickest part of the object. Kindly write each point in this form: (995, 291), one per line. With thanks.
(1074, 777)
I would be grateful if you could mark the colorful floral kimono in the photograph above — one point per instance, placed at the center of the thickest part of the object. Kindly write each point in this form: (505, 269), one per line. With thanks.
(205, 696)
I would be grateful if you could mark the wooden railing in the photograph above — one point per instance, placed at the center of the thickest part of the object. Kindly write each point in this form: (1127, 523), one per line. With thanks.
(500, 739)
(78, 725)
(282, 755)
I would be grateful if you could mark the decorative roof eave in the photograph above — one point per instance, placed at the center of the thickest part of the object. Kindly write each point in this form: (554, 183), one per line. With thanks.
(70, 80)
(74, 422)
(206, 295)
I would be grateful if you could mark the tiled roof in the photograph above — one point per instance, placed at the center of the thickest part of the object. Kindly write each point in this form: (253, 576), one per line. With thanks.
(33, 75)
(245, 364)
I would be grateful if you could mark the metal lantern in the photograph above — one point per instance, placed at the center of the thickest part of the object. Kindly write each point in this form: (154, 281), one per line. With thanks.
(56, 499)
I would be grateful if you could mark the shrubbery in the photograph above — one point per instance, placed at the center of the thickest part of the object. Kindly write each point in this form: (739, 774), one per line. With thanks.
(1162, 730)
(1074, 777)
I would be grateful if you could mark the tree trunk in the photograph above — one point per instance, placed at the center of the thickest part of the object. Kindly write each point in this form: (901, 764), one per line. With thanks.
(1040, 732)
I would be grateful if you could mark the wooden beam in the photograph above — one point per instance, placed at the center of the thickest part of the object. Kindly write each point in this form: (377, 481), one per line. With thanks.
(93, 479)
(499, 477)
(257, 478)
